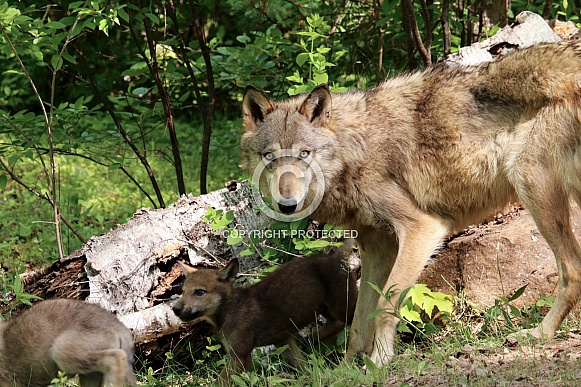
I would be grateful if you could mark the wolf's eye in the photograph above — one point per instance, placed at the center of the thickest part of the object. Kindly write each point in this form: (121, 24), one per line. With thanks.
(268, 156)
(199, 292)
(304, 154)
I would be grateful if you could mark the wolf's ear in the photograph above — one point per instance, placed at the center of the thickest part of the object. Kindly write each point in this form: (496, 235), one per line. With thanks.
(186, 269)
(255, 107)
(229, 272)
(317, 106)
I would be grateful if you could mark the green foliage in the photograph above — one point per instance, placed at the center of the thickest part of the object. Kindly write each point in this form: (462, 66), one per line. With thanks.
(218, 219)
(313, 57)
(282, 241)
(20, 296)
(60, 381)
(417, 306)
(423, 307)
(503, 315)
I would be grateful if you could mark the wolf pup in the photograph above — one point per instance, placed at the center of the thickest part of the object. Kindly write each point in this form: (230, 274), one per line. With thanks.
(68, 335)
(272, 310)
(423, 155)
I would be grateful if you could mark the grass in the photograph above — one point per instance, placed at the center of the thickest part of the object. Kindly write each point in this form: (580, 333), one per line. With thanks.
(465, 352)
(96, 199)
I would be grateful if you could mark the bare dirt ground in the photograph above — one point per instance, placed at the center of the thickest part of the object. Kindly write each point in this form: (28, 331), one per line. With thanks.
(554, 363)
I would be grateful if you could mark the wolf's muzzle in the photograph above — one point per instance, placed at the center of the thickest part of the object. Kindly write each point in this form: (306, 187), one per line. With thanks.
(287, 209)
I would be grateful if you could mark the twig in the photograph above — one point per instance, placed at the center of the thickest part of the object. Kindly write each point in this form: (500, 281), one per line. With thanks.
(408, 11)
(446, 26)
(547, 9)
(154, 67)
(41, 196)
(142, 158)
(208, 121)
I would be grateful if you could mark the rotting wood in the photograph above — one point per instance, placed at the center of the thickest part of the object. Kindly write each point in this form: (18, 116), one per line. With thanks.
(131, 269)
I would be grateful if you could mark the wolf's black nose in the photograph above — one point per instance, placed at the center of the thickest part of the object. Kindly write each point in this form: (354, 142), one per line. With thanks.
(287, 209)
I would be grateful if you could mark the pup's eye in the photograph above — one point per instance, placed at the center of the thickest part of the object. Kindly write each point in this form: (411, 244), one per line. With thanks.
(304, 154)
(199, 292)
(268, 156)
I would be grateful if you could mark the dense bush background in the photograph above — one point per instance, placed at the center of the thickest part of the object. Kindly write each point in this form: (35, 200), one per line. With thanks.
(106, 107)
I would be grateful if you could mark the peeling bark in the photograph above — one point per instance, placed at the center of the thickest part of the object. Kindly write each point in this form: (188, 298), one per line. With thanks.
(132, 271)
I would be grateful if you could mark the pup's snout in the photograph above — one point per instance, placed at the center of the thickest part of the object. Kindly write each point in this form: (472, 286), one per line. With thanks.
(177, 308)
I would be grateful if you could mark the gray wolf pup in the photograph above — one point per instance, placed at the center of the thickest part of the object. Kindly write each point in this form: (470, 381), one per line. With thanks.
(68, 335)
(423, 155)
(272, 310)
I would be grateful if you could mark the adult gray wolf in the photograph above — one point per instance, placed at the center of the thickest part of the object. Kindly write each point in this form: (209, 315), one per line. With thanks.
(273, 310)
(68, 335)
(425, 154)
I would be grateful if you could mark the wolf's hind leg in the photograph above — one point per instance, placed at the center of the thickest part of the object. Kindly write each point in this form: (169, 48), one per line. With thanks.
(80, 353)
(542, 194)
(94, 379)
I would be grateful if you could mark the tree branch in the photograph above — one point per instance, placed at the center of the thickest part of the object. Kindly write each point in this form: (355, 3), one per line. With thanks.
(153, 67)
(208, 121)
(121, 130)
(410, 18)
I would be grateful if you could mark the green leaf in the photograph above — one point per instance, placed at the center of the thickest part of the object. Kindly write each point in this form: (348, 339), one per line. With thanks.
(69, 58)
(515, 312)
(152, 17)
(403, 327)
(376, 288)
(76, 4)
(411, 315)
(139, 90)
(376, 313)
(229, 216)
(243, 39)
(316, 244)
(56, 62)
(3, 181)
(79, 103)
(234, 237)
(371, 366)
(280, 350)
(518, 293)
(321, 78)
(104, 26)
(247, 252)
(302, 58)
(122, 14)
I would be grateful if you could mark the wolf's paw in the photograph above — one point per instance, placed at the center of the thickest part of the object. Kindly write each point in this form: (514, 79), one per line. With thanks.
(382, 358)
(525, 335)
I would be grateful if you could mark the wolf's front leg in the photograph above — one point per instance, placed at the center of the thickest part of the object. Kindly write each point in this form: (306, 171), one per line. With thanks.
(418, 240)
(378, 251)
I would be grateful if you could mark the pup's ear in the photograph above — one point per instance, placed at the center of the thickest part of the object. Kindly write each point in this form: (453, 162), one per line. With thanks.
(187, 269)
(255, 107)
(229, 272)
(317, 105)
